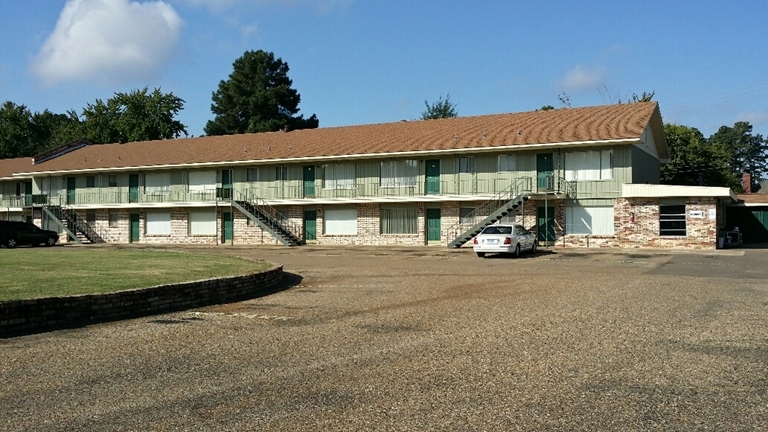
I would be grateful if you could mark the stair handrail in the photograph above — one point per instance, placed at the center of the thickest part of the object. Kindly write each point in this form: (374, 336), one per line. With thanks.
(519, 186)
(93, 234)
(566, 187)
(278, 217)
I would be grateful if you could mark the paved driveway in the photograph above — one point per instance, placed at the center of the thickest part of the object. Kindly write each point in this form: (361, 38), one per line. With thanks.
(423, 339)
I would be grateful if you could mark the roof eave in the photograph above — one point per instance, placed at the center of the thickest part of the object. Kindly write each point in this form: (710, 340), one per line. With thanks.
(507, 147)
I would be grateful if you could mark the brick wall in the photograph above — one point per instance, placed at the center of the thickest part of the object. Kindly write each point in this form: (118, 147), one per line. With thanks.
(36, 315)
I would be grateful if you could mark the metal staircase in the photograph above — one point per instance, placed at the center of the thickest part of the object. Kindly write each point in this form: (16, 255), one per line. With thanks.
(270, 220)
(75, 226)
(505, 202)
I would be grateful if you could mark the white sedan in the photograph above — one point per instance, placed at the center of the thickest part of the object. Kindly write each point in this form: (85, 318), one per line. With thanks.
(504, 239)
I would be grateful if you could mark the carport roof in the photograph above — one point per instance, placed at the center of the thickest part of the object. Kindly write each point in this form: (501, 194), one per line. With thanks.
(599, 125)
(673, 191)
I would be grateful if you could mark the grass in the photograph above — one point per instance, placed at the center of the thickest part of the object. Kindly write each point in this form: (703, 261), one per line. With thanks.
(62, 271)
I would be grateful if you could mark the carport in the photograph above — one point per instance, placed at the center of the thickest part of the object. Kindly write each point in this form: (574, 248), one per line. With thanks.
(750, 215)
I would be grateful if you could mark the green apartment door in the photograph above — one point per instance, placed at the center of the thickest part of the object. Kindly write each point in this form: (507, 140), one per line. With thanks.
(545, 170)
(28, 193)
(71, 190)
(545, 224)
(433, 225)
(309, 181)
(432, 174)
(310, 225)
(133, 188)
(134, 229)
(226, 184)
(227, 227)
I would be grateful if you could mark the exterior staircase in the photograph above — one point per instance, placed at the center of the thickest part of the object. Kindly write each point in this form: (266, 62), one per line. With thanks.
(75, 226)
(264, 216)
(501, 205)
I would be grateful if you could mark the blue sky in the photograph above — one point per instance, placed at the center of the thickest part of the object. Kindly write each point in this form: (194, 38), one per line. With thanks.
(365, 61)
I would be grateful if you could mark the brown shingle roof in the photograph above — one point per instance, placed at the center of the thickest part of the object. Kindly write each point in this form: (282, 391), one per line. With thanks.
(601, 123)
(10, 166)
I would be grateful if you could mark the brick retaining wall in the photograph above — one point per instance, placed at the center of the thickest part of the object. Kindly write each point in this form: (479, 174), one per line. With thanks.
(37, 315)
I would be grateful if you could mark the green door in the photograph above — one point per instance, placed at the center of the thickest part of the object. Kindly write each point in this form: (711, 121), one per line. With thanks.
(433, 225)
(545, 226)
(545, 171)
(133, 188)
(226, 184)
(28, 193)
(309, 181)
(70, 190)
(227, 226)
(432, 175)
(134, 227)
(310, 225)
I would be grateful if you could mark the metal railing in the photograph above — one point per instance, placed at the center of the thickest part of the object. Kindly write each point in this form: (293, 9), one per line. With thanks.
(283, 221)
(520, 186)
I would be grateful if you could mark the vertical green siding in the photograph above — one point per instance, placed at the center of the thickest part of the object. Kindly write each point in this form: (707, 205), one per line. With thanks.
(645, 167)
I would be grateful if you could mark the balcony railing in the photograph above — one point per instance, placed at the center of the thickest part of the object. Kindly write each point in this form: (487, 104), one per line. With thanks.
(277, 192)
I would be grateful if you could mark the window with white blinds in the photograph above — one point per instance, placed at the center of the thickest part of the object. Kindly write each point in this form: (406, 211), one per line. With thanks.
(200, 181)
(339, 176)
(155, 182)
(589, 165)
(399, 173)
(340, 221)
(158, 223)
(202, 222)
(588, 220)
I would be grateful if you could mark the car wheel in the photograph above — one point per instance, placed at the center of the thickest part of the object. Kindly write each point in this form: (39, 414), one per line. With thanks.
(517, 251)
(534, 248)
(11, 243)
(481, 254)
(50, 241)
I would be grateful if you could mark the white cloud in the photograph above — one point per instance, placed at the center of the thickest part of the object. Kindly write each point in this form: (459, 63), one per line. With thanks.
(754, 118)
(582, 78)
(108, 40)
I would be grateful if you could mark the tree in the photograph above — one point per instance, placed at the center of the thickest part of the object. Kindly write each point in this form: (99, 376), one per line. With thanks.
(747, 152)
(257, 97)
(16, 135)
(135, 116)
(694, 160)
(546, 108)
(440, 109)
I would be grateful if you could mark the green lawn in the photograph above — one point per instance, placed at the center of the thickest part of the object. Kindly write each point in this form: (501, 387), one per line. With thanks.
(61, 271)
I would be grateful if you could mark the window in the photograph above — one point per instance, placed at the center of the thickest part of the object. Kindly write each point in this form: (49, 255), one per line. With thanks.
(588, 220)
(339, 176)
(466, 165)
(252, 175)
(156, 182)
(90, 217)
(398, 220)
(281, 173)
(399, 173)
(202, 222)
(112, 180)
(90, 181)
(340, 221)
(507, 163)
(113, 218)
(201, 181)
(158, 223)
(589, 165)
(467, 215)
(672, 220)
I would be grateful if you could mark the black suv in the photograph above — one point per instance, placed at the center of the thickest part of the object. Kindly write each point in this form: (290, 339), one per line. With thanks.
(14, 233)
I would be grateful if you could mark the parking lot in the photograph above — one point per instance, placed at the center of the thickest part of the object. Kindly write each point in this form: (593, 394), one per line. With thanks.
(403, 339)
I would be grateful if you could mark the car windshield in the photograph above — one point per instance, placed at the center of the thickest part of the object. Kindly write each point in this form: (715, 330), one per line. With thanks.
(498, 230)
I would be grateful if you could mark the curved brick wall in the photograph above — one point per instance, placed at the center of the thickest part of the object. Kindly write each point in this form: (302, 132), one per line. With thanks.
(37, 315)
